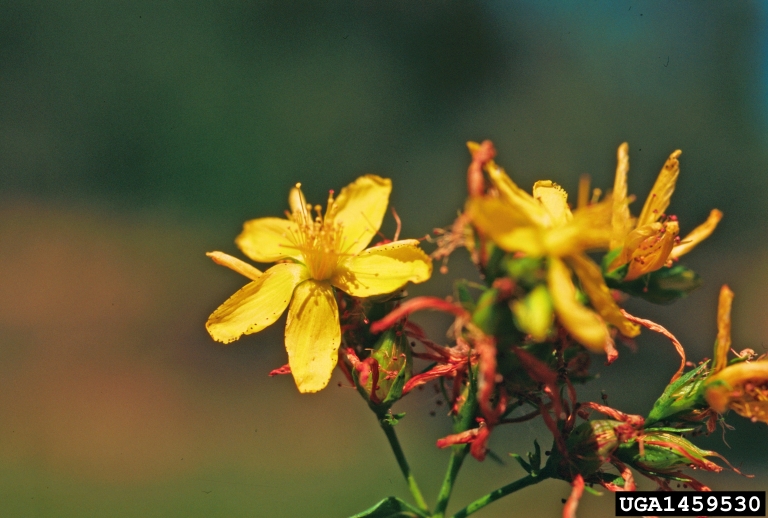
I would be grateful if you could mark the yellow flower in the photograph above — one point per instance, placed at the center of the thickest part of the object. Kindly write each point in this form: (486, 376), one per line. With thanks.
(543, 225)
(316, 254)
(651, 241)
(741, 387)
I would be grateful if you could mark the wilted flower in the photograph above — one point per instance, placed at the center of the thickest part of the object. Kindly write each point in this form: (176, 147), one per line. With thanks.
(651, 241)
(543, 225)
(743, 386)
(315, 255)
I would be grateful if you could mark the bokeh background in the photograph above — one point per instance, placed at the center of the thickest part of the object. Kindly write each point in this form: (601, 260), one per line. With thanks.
(136, 136)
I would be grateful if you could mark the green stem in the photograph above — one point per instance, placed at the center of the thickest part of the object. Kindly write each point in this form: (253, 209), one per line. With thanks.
(458, 453)
(389, 431)
(481, 502)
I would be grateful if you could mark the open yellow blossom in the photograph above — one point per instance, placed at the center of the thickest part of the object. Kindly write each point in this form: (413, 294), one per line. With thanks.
(543, 225)
(741, 387)
(650, 241)
(316, 254)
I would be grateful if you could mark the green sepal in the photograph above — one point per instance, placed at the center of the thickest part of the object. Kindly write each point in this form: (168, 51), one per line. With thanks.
(662, 286)
(660, 459)
(463, 295)
(494, 268)
(592, 491)
(391, 507)
(528, 272)
(534, 315)
(494, 317)
(392, 419)
(681, 397)
(533, 466)
(486, 315)
(393, 354)
(465, 419)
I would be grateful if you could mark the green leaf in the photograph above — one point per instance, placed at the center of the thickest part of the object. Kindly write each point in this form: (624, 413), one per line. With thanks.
(391, 507)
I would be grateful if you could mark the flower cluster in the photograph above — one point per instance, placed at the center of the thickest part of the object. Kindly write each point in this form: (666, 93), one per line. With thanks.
(553, 279)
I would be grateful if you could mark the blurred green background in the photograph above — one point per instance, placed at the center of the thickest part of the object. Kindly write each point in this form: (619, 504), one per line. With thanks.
(136, 136)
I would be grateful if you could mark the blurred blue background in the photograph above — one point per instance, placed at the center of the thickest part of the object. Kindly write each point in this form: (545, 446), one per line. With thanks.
(136, 136)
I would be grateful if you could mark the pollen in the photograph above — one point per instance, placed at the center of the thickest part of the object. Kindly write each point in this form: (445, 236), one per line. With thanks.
(319, 238)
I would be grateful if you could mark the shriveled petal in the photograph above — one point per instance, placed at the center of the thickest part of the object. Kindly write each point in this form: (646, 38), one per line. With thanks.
(723, 344)
(235, 264)
(698, 235)
(258, 304)
(266, 240)
(620, 218)
(523, 203)
(383, 269)
(555, 200)
(633, 240)
(360, 208)
(653, 252)
(594, 286)
(658, 199)
(582, 323)
(740, 387)
(312, 335)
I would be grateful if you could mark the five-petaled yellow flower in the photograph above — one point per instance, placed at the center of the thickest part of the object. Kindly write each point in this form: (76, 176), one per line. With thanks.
(650, 241)
(315, 254)
(741, 387)
(543, 225)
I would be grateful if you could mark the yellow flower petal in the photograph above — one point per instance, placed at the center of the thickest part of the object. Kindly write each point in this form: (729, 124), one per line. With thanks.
(583, 324)
(575, 237)
(594, 286)
(723, 343)
(523, 203)
(235, 264)
(555, 200)
(266, 240)
(620, 220)
(505, 224)
(258, 304)
(658, 199)
(383, 269)
(698, 235)
(312, 335)
(588, 230)
(360, 209)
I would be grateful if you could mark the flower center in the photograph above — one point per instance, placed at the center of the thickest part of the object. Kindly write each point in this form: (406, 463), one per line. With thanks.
(318, 238)
(752, 400)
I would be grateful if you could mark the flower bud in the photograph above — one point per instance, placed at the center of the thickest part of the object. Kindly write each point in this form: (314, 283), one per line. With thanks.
(683, 399)
(591, 444)
(662, 453)
(380, 378)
